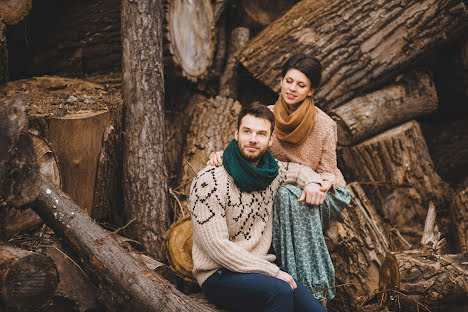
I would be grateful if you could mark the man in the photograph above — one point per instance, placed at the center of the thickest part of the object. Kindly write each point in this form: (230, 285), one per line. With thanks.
(231, 208)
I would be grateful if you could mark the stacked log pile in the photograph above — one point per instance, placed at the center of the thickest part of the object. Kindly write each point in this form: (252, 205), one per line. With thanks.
(385, 82)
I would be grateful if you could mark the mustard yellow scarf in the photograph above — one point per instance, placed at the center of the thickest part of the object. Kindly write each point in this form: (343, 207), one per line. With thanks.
(294, 125)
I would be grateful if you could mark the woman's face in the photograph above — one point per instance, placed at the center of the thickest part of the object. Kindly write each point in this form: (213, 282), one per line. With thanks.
(295, 87)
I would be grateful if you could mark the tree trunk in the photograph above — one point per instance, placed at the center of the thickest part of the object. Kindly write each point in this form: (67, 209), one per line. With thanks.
(13, 11)
(361, 44)
(145, 175)
(357, 243)
(129, 284)
(3, 55)
(459, 214)
(28, 279)
(378, 111)
(401, 177)
(435, 281)
(190, 35)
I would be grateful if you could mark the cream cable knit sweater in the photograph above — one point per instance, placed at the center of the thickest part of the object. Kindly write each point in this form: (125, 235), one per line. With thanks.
(233, 229)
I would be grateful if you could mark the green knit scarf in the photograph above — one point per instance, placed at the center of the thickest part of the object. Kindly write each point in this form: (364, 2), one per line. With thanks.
(246, 176)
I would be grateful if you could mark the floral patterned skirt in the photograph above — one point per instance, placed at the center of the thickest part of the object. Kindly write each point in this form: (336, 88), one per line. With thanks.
(298, 237)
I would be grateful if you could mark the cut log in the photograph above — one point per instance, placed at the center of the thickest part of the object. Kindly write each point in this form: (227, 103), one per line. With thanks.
(459, 215)
(13, 11)
(264, 12)
(3, 54)
(72, 115)
(357, 243)
(399, 174)
(361, 44)
(28, 279)
(178, 247)
(190, 33)
(19, 168)
(378, 111)
(228, 85)
(435, 281)
(129, 284)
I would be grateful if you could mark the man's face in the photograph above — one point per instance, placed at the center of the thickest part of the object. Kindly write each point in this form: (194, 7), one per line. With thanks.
(253, 138)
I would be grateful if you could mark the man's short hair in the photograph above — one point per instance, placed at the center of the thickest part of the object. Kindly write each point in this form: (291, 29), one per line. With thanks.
(259, 110)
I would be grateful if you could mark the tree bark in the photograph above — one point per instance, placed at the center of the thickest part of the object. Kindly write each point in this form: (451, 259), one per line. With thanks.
(459, 215)
(190, 35)
(145, 172)
(435, 281)
(357, 243)
(228, 86)
(361, 44)
(378, 111)
(13, 11)
(400, 175)
(264, 12)
(129, 284)
(28, 279)
(3, 54)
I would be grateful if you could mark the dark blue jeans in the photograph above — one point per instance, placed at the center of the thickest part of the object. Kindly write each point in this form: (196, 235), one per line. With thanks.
(253, 292)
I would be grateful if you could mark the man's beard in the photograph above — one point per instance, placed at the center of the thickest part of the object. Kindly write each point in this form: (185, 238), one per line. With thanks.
(251, 157)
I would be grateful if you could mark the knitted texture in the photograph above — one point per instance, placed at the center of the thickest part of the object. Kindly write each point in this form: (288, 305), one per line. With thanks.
(318, 151)
(233, 229)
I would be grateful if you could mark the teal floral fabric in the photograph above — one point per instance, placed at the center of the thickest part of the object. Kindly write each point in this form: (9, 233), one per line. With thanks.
(298, 237)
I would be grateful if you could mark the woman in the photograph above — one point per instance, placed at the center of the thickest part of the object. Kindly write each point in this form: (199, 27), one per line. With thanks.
(306, 135)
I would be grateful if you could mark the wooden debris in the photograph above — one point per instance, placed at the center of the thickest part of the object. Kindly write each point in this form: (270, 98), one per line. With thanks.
(459, 215)
(13, 11)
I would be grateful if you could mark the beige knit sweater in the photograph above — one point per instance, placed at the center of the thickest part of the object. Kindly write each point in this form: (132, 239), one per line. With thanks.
(318, 151)
(233, 229)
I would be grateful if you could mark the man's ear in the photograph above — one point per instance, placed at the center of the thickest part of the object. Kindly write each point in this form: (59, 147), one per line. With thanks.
(236, 135)
(271, 140)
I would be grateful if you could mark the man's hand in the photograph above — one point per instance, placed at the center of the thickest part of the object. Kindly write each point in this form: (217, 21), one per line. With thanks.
(313, 194)
(216, 159)
(287, 278)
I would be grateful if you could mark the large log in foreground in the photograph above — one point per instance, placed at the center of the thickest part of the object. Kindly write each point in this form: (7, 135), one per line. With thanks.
(378, 111)
(360, 43)
(27, 279)
(357, 243)
(129, 283)
(437, 282)
(402, 181)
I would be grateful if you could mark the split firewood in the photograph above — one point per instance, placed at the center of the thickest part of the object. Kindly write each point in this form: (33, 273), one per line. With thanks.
(430, 239)
(357, 243)
(400, 175)
(361, 44)
(128, 283)
(3, 54)
(459, 215)
(378, 111)
(190, 35)
(28, 279)
(13, 11)
(436, 281)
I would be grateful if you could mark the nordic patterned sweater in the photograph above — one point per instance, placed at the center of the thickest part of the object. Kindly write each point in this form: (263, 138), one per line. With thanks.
(233, 229)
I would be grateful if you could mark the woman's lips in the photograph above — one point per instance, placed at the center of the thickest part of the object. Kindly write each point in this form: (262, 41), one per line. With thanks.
(290, 96)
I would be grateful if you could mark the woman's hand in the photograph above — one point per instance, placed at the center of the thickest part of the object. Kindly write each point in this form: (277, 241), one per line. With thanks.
(216, 159)
(313, 194)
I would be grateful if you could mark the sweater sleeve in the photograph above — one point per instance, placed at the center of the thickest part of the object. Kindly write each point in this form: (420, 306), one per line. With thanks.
(327, 166)
(207, 208)
(299, 175)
